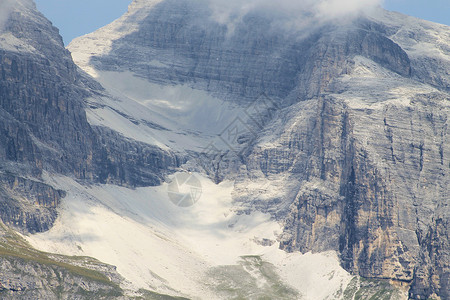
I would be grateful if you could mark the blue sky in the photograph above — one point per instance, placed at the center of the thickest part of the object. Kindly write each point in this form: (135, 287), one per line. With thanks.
(78, 17)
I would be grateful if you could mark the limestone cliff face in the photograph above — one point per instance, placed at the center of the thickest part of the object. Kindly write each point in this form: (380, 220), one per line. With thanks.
(43, 125)
(371, 167)
(358, 194)
(28, 204)
(44, 132)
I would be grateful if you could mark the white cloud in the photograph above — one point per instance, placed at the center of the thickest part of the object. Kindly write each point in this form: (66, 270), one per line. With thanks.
(342, 8)
(295, 14)
(6, 7)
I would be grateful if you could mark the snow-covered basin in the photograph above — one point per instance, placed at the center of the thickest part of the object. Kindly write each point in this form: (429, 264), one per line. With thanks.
(176, 117)
(160, 246)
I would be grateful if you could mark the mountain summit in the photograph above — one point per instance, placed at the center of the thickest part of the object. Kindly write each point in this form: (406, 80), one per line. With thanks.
(213, 150)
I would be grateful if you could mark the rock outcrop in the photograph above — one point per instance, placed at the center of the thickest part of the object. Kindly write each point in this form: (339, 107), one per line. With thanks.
(26, 273)
(27, 204)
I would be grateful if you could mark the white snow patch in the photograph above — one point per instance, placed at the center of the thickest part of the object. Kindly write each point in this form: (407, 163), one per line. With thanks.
(370, 85)
(320, 274)
(159, 246)
(9, 42)
(419, 38)
(175, 116)
(192, 109)
(100, 42)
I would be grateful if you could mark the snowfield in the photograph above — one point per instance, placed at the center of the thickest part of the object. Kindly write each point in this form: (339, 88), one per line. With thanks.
(174, 117)
(184, 251)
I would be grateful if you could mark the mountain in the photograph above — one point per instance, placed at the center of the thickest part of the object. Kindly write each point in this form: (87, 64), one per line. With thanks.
(317, 150)
(44, 130)
(44, 125)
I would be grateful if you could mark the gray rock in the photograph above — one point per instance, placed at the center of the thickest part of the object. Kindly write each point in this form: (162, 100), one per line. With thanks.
(44, 129)
(43, 124)
(28, 205)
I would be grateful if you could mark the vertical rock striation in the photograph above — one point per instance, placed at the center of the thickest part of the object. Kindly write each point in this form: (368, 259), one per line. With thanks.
(43, 124)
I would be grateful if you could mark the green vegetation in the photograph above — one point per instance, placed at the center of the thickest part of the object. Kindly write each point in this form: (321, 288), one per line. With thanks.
(352, 288)
(253, 278)
(14, 247)
(370, 289)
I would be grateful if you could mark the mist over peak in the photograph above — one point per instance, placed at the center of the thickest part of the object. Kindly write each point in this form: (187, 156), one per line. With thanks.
(291, 14)
(8, 6)
(5, 9)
